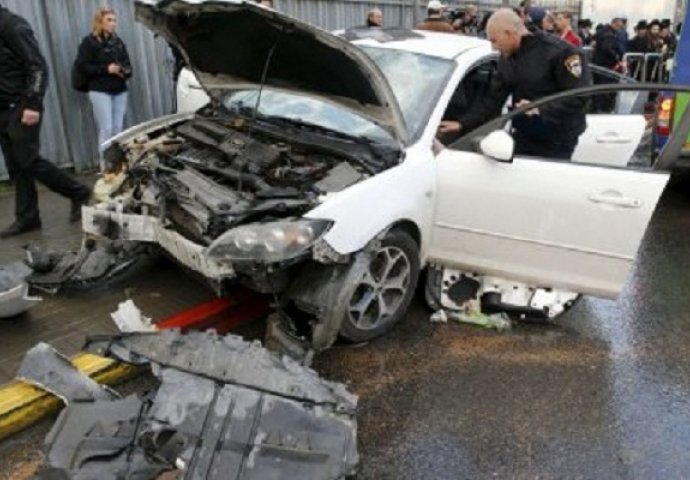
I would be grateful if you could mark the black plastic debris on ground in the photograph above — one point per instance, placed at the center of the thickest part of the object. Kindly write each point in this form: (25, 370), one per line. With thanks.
(97, 263)
(97, 440)
(44, 367)
(14, 291)
(225, 408)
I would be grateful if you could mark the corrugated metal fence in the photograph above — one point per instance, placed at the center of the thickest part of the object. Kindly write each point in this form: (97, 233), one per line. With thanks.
(337, 14)
(69, 132)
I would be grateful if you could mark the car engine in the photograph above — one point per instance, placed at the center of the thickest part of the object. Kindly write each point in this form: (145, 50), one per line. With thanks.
(209, 174)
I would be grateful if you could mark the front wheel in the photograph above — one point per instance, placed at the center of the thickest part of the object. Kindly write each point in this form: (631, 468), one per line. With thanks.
(381, 294)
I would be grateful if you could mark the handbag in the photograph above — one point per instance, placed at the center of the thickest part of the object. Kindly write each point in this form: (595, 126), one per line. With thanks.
(80, 81)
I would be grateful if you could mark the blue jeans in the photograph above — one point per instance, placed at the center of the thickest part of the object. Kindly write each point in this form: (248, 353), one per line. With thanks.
(109, 110)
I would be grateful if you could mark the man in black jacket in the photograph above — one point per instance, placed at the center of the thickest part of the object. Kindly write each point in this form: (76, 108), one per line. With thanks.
(607, 54)
(23, 83)
(606, 51)
(531, 66)
(640, 42)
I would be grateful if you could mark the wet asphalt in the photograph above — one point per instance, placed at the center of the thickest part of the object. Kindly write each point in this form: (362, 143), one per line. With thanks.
(603, 393)
(65, 320)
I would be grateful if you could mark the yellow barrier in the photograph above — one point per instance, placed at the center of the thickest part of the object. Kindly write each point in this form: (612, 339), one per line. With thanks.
(21, 404)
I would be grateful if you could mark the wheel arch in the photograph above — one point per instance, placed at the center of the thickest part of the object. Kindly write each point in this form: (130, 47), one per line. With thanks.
(409, 227)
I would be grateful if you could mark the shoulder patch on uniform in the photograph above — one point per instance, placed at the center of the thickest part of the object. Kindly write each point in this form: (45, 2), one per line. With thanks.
(573, 64)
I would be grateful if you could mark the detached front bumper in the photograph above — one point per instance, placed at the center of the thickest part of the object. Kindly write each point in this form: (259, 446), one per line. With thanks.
(144, 228)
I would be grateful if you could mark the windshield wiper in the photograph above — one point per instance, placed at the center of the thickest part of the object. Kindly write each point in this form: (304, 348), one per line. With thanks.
(311, 127)
(242, 109)
(302, 125)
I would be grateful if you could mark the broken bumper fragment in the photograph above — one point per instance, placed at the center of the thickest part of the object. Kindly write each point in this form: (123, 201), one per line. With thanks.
(225, 431)
(145, 228)
(225, 408)
(14, 291)
(97, 263)
(98, 440)
(228, 359)
(44, 367)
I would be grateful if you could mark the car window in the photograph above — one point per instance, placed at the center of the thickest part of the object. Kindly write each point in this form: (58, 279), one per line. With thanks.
(469, 92)
(306, 109)
(610, 138)
(417, 82)
(623, 102)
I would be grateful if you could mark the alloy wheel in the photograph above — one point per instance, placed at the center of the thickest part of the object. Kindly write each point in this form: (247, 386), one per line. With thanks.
(382, 288)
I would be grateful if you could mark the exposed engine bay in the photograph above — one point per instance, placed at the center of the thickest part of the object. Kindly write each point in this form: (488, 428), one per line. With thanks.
(211, 173)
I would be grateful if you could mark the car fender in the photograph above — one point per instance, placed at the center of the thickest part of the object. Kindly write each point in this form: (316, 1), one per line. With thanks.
(359, 213)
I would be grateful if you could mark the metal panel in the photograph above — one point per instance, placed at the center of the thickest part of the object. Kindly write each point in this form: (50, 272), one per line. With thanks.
(69, 136)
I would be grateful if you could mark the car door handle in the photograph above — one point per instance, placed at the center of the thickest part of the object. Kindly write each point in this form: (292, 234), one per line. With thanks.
(615, 199)
(613, 137)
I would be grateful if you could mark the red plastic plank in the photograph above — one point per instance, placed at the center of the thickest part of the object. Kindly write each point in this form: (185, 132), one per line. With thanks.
(220, 314)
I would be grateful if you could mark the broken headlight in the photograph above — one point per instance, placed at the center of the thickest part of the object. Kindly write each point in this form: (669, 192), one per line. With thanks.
(268, 242)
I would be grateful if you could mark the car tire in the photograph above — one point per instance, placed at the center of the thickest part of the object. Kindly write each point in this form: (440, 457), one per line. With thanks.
(388, 283)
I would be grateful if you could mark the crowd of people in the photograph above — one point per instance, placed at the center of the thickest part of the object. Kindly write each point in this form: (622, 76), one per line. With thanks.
(532, 35)
(607, 44)
(468, 21)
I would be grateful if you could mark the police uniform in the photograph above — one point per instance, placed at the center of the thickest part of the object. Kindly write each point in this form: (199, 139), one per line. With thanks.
(543, 65)
(23, 82)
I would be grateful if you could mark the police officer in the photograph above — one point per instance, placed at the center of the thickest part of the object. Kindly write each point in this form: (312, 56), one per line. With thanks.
(23, 82)
(531, 66)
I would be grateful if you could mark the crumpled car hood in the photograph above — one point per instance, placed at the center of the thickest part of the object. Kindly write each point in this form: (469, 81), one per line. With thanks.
(228, 43)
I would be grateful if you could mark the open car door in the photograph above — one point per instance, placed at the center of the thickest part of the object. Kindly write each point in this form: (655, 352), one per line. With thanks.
(611, 138)
(548, 223)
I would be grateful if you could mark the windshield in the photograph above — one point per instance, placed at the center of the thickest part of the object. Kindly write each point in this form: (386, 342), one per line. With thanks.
(275, 103)
(417, 81)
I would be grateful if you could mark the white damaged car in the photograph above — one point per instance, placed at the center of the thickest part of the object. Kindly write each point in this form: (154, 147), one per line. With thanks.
(314, 174)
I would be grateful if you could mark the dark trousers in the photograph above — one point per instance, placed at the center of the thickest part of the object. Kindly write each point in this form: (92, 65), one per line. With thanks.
(536, 138)
(20, 148)
(525, 146)
(603, 102)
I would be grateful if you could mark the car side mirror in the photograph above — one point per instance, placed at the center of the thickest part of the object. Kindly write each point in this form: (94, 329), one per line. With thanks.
(498, 145)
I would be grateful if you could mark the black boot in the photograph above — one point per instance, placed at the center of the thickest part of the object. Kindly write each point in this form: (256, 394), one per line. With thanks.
(77, 202)
(17, 228)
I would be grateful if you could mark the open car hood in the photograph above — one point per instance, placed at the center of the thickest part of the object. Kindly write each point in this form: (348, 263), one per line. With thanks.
(229, 42)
